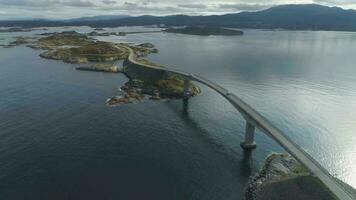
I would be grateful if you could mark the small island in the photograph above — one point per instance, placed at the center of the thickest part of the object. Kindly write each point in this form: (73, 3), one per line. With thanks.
(205, 31)
(93, 52)
(170, 87)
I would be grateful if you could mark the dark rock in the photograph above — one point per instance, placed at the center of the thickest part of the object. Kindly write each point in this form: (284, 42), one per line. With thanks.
(283, 177)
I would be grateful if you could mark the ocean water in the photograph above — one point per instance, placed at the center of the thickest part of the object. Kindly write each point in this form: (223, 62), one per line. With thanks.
(58, 140)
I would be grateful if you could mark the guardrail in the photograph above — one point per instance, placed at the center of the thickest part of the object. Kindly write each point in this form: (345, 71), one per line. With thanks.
(256, 120)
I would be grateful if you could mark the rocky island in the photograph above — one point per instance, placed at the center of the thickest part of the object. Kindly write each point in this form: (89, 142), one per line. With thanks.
(94, 52)
(205, 31)
(135, 90)
(145, 77)
(56, 40)
(73, 47)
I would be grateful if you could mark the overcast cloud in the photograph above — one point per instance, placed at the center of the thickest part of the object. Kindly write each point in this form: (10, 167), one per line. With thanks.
(15, 9)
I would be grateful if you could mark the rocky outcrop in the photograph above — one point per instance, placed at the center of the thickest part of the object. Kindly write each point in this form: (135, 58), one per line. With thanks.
(76, 60)
(131, 94)
(101, 68)
(283, 177)
(173, 87)
(146, 45)
(135, 90)
(143, 50)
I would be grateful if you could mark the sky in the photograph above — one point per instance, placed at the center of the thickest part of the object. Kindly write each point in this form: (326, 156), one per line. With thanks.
(64, 9)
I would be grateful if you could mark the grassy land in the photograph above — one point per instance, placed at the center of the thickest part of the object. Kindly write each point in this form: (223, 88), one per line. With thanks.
(174, 87)
(66, 38)
(147, 62)
(94, 51)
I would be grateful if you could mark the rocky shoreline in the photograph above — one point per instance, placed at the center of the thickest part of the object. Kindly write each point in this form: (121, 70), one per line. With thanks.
(283, 177)
(136, 90)
(109, 68)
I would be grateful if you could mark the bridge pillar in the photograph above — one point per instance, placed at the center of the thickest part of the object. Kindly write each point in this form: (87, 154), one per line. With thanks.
(249, 142)
(186, 88)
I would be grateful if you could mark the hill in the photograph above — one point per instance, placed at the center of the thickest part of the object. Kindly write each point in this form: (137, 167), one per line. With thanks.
(291, 17)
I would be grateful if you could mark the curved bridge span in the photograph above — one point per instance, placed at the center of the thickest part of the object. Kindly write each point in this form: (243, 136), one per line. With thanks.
(256, 120)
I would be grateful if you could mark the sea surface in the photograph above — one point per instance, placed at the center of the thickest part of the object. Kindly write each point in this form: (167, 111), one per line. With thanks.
(58, 139)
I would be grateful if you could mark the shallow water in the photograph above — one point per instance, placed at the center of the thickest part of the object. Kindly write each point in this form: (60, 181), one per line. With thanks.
(58, 139)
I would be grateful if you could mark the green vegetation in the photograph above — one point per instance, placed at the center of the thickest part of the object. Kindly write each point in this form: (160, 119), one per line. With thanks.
(147, 62)
(300, 169)
(94, 52)
(136, 89)
(204, 31)
(100, 51)
(73, 47)
(66, 38)
(174, 87)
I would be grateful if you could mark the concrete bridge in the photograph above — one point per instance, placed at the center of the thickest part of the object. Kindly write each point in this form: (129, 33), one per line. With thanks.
(255, 120)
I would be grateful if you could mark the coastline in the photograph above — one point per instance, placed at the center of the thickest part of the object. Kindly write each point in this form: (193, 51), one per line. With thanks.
(283, 177)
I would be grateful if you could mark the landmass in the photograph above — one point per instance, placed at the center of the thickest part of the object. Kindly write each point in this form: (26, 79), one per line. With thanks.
(95, 33)
(204, 31)
(96, 51)
(283, 177)
(19, 41)
(135, 90)
(289, 17)
(55, 40)
(19, 29)
(145, 77)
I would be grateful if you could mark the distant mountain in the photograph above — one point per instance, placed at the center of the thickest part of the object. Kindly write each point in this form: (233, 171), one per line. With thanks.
(291, 17)
(99, 18)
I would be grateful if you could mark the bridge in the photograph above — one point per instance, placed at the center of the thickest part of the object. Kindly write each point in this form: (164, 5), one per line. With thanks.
(256, 120)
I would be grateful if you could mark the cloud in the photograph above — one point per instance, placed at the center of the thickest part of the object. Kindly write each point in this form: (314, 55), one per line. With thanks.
(141, 8)
(47, 3)
(78, 8)
(244, 6)
(77, 3)
(109, 2)
(194, 6)
(336, 2)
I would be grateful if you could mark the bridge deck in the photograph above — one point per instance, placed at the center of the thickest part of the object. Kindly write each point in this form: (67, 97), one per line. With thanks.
(253, 117)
